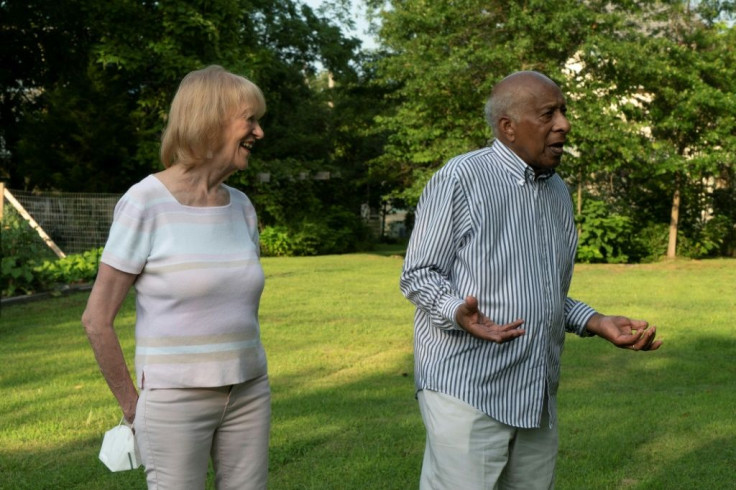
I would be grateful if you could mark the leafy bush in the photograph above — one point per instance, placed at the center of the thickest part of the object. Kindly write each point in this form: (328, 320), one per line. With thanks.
(17, 277)
(605, 236)
(337, 231)
(276, 242)
(651, 242)
(28, 266)
(22, 250)
(312, 238)
(72, 269)
(706, 239)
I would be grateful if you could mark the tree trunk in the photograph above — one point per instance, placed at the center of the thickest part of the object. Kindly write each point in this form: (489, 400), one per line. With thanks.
(580, 203)
(674, 219)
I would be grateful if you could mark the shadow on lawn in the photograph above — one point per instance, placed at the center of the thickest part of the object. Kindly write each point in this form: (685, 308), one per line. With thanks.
(708, 466)
(69, 466)
(628, 420)
(362, 434)
(649, 420)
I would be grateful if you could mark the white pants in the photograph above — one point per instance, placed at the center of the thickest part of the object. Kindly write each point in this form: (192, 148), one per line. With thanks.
(468, 450)
(179, 430)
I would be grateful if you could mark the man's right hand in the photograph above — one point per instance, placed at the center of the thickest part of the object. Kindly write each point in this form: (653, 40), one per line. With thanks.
(478, 325)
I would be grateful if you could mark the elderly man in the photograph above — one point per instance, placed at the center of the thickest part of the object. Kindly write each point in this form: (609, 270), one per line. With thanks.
(488, 267)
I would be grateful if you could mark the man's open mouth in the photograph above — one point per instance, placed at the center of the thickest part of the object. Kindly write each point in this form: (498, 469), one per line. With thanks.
(557, 148)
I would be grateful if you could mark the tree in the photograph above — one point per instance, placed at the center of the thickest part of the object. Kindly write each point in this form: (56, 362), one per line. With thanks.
(93, 122)
(678, 69)
(96, 79)
(649, 89)
(42, 44)
(443, 58)
(693, 106)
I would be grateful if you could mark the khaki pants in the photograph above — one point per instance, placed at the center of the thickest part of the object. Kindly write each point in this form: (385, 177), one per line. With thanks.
(468, 450)
(178, 430)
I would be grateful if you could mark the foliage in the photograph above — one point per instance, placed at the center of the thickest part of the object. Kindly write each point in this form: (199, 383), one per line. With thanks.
(662, 72)
(22, 250)
(276, 242)
(340, 364)
(94, 81)
(651, 242)
(650, 86)
(338, 231)
(443, 59)
(707, 239)
(89, 117)
(604, 236)
(651, 92)
(72, 269)
(724, 204)
(29, 266)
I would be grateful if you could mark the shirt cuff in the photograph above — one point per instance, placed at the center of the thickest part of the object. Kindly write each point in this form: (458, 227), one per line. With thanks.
(446, 310)
(577, 319)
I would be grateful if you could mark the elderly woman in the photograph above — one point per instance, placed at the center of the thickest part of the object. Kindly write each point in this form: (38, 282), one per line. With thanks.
(189, 245)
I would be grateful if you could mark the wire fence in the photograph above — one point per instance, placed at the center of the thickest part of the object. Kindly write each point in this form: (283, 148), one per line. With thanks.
(76, 222)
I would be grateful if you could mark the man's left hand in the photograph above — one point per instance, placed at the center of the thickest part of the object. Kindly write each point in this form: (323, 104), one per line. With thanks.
(624, 332)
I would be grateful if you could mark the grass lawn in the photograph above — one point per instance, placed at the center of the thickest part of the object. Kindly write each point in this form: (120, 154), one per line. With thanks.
(338, 335)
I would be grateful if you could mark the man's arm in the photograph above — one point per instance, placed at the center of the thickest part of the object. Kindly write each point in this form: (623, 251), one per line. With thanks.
(442, 219)
(442, 224)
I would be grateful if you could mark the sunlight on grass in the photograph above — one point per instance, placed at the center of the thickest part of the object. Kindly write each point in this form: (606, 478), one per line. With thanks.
(650, 417)
(338, 335)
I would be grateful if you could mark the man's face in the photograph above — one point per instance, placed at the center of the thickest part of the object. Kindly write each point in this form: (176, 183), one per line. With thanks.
(540, 127)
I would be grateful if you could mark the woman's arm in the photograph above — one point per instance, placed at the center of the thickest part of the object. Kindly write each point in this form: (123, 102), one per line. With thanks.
(108, 293)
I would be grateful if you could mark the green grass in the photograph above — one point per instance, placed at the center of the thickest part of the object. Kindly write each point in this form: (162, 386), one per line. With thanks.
(338, 335)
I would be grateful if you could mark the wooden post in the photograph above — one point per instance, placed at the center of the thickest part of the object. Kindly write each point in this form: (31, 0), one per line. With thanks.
(2, 200)
(26, 216)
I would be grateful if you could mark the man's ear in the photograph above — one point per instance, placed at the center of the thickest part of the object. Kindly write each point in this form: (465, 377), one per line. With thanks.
(507, 129)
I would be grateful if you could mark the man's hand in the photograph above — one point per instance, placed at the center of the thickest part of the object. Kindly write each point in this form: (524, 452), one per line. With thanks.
(478, 325)
(624, 332)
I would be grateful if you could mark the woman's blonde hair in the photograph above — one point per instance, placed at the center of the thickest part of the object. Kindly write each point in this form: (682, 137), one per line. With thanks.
(199, 113)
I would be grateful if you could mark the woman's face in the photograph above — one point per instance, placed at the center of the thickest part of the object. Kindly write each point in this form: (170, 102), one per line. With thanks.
(241, 132)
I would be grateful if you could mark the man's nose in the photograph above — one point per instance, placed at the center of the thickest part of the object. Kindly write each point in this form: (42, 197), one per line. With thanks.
(562, 123)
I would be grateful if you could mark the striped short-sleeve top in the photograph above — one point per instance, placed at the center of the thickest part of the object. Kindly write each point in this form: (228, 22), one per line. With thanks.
(198, 288)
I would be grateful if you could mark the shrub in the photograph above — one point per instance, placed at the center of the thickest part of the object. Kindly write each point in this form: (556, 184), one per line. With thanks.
(276, 242)
(22, 250)
(651, 242)
(337, 231)
(706, 239)
(28, 266)
(72, 269)
(605, 236)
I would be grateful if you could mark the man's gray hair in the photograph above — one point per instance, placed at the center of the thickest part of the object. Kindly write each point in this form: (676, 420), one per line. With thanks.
(500, 104)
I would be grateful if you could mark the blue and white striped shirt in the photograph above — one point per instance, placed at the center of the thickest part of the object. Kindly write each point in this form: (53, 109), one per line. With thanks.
(486, 227)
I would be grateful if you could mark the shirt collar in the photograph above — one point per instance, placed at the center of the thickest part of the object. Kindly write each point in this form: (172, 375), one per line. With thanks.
(519, 170)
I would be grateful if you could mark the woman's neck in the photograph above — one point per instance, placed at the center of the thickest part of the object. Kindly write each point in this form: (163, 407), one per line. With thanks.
(197, 186)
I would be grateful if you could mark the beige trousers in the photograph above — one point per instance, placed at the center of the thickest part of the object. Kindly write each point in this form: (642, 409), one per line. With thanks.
(468, 450)
(178, 430)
